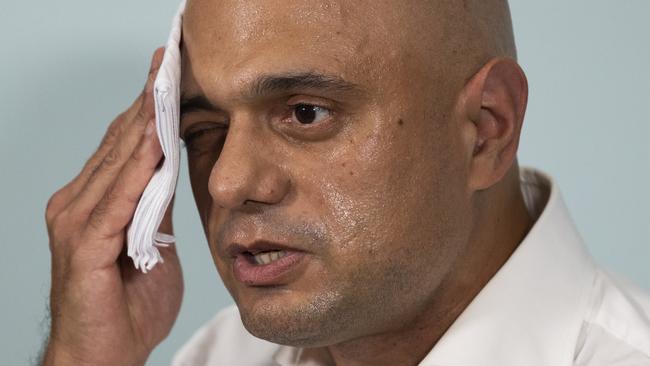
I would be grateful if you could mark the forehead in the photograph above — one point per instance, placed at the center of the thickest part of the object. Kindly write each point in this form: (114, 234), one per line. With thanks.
(231, 42)
(250, 20)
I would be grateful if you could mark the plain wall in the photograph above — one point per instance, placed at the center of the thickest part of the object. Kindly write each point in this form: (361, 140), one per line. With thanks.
(69, 67)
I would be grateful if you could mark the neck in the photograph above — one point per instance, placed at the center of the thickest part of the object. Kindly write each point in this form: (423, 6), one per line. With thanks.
(501, 221)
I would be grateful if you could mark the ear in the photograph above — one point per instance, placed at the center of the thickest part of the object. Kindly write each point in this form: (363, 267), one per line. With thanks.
(492, 106)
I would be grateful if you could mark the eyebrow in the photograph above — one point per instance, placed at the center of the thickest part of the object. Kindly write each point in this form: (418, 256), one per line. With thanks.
(268, 85)
(196, 103)
(271, 84)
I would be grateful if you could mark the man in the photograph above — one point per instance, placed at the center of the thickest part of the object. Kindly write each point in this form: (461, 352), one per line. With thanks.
(354, 167)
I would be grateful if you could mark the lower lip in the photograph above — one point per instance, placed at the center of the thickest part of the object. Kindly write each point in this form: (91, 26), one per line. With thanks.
(274, 273)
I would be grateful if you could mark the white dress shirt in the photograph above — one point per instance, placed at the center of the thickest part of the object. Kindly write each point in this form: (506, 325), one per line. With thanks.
(548, 305)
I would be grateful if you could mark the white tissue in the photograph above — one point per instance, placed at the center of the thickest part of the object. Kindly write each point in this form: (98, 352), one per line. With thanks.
(142, 235)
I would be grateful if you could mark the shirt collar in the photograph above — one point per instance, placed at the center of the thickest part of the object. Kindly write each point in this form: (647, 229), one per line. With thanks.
(530, 312)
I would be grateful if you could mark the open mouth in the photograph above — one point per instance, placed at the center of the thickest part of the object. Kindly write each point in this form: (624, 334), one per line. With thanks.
(264, 258)
(269, 267)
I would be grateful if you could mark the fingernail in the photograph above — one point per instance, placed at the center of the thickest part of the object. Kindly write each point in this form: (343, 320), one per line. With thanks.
(153, 61)
(150, 127)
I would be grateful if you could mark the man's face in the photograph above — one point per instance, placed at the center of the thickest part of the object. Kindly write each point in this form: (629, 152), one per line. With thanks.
(331, 132)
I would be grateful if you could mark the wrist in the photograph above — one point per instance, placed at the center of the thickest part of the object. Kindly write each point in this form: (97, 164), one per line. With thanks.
(55, 355)
(58, 355)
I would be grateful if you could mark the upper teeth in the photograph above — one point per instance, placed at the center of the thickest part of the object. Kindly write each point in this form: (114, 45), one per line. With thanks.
(268, 257)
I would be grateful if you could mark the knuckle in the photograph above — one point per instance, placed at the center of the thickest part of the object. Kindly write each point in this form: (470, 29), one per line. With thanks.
(57, 203)
(145, 113)
(93, 166)
(115, 129)
(60, 228)
(111, 159)
(53, 207)
(112, 134)
(120, 119)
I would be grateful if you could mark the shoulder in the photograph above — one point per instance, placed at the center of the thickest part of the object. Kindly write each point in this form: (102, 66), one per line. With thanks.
(225, 341)
(616, 330)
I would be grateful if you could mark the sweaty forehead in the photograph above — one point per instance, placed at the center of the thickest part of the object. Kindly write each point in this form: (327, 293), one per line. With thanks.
(375, 43)
(229, 38)
(259, 20)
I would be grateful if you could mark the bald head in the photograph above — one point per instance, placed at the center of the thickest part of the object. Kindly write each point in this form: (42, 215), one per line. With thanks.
(454, 36)
(434, 36)
(489, 24)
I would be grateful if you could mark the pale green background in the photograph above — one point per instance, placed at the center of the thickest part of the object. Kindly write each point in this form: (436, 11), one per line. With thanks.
(68, 67)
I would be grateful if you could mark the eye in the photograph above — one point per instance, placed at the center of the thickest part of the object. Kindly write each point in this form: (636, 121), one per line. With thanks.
(308, 114)
(204, 137)
(193, 135)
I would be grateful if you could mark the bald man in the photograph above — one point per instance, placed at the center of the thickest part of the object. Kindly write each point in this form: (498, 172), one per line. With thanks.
(354, 167)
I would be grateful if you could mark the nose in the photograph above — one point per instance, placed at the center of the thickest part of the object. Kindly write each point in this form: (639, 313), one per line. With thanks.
(245, 171)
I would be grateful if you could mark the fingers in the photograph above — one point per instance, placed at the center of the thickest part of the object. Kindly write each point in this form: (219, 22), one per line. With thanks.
(105, 172)
(115, 130)
(116, 207)
(118, 128)
(64, 196)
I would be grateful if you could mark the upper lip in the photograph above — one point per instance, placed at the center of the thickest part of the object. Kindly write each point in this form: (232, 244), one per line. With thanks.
(255, 247)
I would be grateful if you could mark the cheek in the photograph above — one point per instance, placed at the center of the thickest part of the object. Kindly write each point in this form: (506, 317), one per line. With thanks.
(356, 196)
(391, 201)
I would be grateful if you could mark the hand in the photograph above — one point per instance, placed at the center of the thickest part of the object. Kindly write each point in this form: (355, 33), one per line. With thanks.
(104, 311)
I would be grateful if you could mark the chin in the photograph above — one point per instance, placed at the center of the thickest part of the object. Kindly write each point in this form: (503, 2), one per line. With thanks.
(314, 322)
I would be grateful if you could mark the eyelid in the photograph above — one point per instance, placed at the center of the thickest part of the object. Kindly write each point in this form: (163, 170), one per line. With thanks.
(199, 128)
(295, 100)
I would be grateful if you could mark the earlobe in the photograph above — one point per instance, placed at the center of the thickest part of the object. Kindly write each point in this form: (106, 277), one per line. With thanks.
(494, 102)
